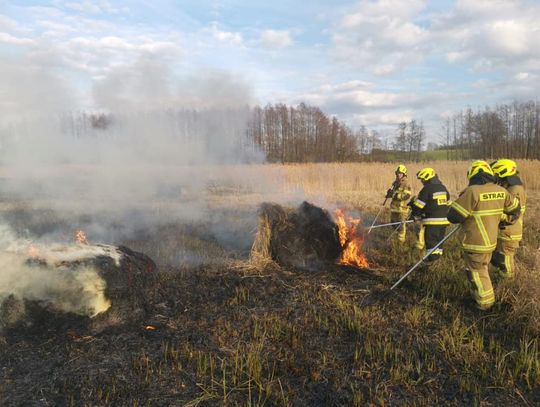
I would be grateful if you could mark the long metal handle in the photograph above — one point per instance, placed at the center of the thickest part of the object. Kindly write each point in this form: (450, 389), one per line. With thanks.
(393, 187)
(382, 225)
(376, 217)
(398, 227)
(426, 256)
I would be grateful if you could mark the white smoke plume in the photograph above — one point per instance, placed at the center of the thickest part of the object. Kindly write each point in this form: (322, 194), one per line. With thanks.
(147, 151)
(136, 148)
(80, 291)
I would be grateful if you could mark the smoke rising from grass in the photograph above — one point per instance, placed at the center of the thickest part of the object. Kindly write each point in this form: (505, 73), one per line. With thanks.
(150, 150)
(80, 291)
(125, 155)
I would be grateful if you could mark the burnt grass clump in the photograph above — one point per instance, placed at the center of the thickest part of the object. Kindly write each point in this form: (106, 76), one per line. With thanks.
(249, 334)
(305, 237)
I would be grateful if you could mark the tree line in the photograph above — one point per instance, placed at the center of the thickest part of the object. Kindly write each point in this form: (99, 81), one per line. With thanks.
(506, 130)
(410, 139)
(306, 134)
(283, 133)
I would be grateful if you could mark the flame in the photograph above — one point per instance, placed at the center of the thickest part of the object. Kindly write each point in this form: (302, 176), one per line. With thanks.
(350, 240)
(33, 252)
(150, 328)
(80, 237)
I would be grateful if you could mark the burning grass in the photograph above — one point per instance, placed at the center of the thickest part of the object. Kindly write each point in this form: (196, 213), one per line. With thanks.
(78, 279)
(351, 240)
(307, 237)
(241, 333)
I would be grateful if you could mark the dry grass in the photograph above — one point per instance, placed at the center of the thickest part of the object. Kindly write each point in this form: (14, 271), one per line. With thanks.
(424, 343)
(234, 334)
(360, 185)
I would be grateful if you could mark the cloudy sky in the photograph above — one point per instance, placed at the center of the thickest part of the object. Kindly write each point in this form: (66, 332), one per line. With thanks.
(371, 62)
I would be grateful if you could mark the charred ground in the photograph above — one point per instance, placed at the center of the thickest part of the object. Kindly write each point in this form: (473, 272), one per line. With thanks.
(237, 333)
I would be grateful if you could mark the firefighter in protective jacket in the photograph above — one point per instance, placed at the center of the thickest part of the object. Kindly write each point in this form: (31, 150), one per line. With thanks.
(400, 192)
(431, 209)
(479, 209)
(510, 235)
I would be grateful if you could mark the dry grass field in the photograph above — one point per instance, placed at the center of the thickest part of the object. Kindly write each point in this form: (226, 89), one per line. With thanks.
(231, 332)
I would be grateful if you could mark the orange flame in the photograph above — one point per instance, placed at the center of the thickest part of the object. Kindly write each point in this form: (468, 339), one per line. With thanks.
(150, 328)
(80, 237)
(33, 252)
(350, 240)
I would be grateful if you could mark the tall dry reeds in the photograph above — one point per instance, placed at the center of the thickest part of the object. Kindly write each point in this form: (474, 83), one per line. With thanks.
(376, 177)
(362, 185)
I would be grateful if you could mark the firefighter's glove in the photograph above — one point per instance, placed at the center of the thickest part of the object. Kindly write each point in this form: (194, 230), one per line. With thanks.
(389, 193)
(509, 220)
(411, 202)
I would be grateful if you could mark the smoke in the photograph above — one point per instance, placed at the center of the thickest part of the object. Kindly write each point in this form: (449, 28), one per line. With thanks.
(80, 291)
(32, 89)
(116, 150)
(131, 149)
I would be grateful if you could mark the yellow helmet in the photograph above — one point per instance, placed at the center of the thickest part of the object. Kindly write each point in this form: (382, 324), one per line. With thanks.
(401, 169)
(477, 167)
(425, 174)
(504, 168)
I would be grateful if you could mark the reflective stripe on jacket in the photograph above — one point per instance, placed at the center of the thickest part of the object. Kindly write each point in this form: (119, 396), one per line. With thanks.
(514, 231)
(400, 196)
(432, 203)
(480, 208)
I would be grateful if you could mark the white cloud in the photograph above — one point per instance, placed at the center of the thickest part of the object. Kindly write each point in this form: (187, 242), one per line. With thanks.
(8, 24)
(10, 39)
(382, 35)
(84, 7)
(352, 96)
(494, 34)
(375, 119)
(521, 76)
(365, 103)
(385, 36)
(93, 7)
(378, 42)
(225, 36)
(276, 39)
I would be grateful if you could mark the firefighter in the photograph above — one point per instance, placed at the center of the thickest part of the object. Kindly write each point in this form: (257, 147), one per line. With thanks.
(431, 209)
(399, 193)
(479, 209)
(510, 235)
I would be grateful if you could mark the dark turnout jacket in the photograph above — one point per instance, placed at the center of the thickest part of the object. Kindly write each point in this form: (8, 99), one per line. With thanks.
(432, 203)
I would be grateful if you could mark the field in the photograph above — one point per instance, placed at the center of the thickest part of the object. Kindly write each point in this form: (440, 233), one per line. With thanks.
(229, 331)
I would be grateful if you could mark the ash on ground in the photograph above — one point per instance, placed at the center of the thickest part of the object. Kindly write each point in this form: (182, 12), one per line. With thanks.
(77, 283)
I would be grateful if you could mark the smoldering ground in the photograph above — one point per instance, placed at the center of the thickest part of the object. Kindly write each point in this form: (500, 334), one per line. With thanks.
(144, 158)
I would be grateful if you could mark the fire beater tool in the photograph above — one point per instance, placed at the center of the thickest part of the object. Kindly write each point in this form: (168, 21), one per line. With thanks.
(398, 226)
(426, 256)
(394, 186)
(377, 296)
(382, 225)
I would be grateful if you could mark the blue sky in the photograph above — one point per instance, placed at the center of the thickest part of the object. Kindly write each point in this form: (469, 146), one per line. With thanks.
(370, 62)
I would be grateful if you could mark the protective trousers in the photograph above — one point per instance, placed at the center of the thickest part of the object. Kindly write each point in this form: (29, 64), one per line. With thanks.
(428, 237)
(477, 273)
(421, 241)
(503, 258)
(400, 217)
